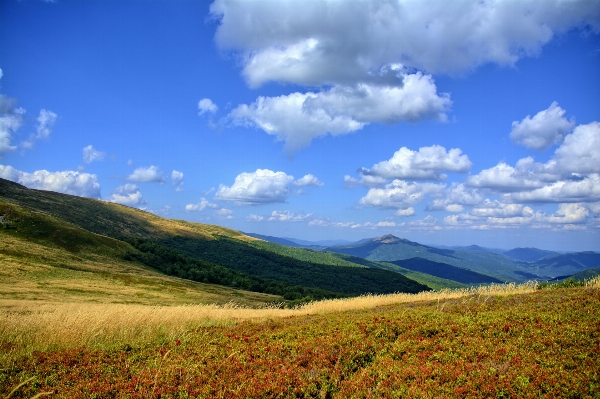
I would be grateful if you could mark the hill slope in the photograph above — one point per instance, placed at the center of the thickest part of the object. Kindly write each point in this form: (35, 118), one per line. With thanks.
(46, 259)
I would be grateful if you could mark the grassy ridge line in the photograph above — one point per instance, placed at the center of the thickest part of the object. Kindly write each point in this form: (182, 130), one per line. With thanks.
(109, 219)
(527, 345)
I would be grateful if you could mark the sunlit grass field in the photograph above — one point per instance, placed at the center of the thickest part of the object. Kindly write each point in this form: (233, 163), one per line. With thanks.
(497, 341)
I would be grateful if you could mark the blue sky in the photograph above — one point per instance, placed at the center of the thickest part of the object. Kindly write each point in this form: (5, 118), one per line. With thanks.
(450, 123)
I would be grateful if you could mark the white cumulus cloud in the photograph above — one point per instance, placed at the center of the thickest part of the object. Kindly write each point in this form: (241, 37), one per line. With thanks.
(580, 151)
(425, 164)
(147, 174)
(406, 212)
(496, 209)
(336, 42)
(571, 175)
(546, 128)
(454, 198)
(308, 180)
(257, 188)
(127, 194)
(90, 154)
(399, 194)
(67, 182)
(584, 190)
(298, 118)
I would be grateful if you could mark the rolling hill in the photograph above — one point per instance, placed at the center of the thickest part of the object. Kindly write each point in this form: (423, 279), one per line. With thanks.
(43, 258)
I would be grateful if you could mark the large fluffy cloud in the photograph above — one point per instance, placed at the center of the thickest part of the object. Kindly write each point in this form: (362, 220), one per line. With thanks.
(425, 164)
(527, 174)
(297, 118)
(67, 182)
(580, 152)
(571, 174)
(336, 42)
(547, 127)
(257, 188)
(399, 194)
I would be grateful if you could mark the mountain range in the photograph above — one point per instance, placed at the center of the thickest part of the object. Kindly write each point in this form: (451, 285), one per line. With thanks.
(516, 265)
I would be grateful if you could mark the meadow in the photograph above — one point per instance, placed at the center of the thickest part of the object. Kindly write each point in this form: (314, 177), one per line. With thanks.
(508, 341)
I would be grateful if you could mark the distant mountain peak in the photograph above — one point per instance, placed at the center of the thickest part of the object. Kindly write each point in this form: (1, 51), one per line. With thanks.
(388, 239)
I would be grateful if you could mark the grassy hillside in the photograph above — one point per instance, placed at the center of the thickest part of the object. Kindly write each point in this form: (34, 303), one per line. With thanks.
(30, 227)
(200, 246)
(46, 259)
(511, 343)
(108, 219)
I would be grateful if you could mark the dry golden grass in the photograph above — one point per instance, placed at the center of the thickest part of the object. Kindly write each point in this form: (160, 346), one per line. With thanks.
(32, 325)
